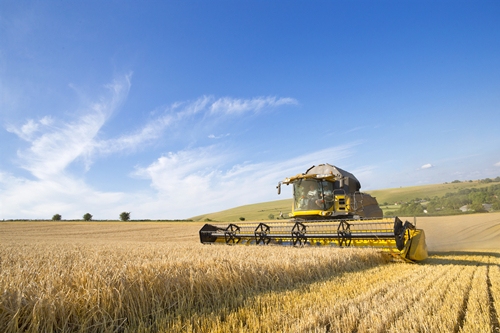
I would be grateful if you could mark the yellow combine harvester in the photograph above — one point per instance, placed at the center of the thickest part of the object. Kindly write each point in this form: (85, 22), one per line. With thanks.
(327, 209)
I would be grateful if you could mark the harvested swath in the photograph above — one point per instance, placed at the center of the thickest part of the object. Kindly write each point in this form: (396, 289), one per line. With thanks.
(477, 317)
(494, 287)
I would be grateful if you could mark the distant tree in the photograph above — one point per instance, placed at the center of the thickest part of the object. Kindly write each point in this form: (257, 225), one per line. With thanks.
(390, 213)
(478, 197)
(56, 217)
(125, 216)
(87, 217)
(411, 209)
(478, 208)
(456, 181)
(270, 216)
(242, 219)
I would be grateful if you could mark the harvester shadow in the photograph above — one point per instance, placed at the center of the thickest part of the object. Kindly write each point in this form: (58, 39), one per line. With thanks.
(465, 258)
(223, 309)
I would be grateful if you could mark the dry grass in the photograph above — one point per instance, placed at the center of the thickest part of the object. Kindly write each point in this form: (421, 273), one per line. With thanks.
(155, 277)
(59, 286)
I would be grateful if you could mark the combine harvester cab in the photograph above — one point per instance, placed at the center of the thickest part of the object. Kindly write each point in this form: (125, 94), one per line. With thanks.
(327, 210)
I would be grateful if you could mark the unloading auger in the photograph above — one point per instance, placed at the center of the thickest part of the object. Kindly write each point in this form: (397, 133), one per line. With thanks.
(327, 210)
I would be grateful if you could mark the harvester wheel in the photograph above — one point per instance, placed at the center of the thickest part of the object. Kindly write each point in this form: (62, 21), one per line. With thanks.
(261, 234)
(344, 233)
(230, 234)
(299, 234)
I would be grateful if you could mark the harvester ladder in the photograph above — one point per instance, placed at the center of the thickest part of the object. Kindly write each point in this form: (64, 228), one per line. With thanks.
(355, 201)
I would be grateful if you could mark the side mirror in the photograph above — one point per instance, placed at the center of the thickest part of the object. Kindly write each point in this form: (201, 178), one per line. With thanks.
(279, 188)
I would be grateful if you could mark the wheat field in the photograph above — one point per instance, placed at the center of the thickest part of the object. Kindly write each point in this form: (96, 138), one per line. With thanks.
(156, 277)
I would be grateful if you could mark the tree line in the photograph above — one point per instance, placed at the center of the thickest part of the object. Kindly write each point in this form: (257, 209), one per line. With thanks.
(124, 216)
(474, 199)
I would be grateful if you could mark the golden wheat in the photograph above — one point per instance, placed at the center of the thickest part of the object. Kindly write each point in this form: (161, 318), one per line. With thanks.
(477, 316)
(107, 277)
(101, 288)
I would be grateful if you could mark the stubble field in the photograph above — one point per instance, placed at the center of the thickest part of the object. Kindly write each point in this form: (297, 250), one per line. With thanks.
(156, 277)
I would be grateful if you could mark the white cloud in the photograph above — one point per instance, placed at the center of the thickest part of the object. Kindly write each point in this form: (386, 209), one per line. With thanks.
(237, 106)
(54, 147)
(191, 108)
(26, 131)
(199, 174)
(196, 181)
(47, 121)
(184, 111)
(427, 166)
(23, 198)
(30, 128)
(185, 183)
(497, 164)
(181, 171)
(149, 132)
(213, 136)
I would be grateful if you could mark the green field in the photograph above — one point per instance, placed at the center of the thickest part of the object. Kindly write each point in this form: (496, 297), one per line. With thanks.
(405, 194)
(261, 211)
(254, 212)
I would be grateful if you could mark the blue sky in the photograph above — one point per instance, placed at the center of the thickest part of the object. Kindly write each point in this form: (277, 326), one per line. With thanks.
(170, 109)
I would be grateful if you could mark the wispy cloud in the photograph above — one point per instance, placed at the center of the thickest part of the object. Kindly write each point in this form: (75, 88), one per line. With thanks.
(203, 174)
(355, 129)
(55, 144)
(497, 164)
(180, 112)
(153, 129)
(213, 136)
(228, 105)
(26, 131)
